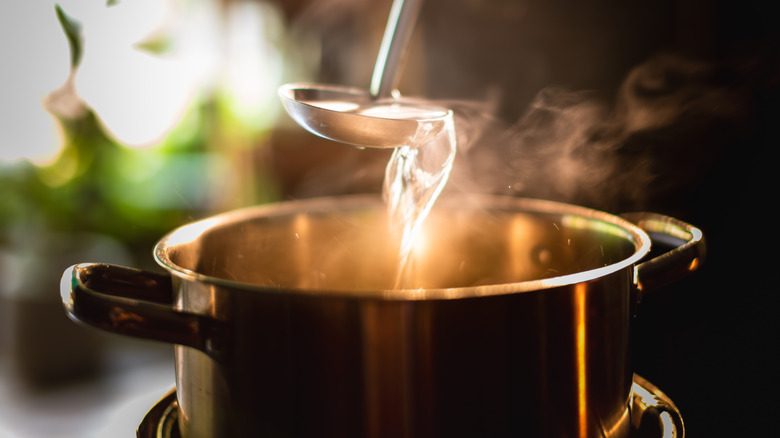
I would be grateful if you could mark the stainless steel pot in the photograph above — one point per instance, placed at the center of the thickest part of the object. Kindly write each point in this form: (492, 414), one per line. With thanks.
(516, 321)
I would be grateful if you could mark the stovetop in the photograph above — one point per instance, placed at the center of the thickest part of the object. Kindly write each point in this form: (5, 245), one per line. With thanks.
(162, 421)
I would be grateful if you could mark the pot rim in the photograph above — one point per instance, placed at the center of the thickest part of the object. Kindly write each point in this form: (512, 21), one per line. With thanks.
(571, 216)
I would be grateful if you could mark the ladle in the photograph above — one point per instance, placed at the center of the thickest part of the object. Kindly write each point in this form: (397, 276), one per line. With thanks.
(376, 118)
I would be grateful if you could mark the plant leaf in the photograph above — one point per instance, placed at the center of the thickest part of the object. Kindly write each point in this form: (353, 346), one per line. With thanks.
(72, 30)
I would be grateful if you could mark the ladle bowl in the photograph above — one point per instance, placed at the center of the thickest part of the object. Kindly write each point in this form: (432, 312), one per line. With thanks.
(350, 115)
(375, 118)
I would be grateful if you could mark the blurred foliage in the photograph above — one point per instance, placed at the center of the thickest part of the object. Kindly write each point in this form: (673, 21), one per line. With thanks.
(72, 29)
(96, 185)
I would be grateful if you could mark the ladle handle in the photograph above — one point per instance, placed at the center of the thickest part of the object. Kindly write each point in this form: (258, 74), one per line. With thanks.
(687, 253)
(392, 52)
(136, 303)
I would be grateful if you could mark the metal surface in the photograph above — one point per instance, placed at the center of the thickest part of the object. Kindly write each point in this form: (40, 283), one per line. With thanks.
(395, 42)
(372, 118)
(349, 115)
(653, 414)
(520, 324)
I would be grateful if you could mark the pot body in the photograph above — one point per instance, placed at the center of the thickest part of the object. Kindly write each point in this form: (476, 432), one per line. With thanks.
(515, 320)
(545, 363)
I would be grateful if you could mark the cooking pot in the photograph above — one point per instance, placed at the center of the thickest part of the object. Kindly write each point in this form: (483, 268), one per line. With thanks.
(515, 320)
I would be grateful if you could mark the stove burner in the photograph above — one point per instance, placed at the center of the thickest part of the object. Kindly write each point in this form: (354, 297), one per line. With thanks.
(162, 421)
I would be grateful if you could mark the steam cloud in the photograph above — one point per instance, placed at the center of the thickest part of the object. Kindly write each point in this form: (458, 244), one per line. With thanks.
(659, 133)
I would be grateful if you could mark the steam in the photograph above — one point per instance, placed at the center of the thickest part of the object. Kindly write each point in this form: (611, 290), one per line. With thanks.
(576, 146)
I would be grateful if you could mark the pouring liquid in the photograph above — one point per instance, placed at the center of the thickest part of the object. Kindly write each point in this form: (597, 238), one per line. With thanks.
(414, 178)
(418, 170)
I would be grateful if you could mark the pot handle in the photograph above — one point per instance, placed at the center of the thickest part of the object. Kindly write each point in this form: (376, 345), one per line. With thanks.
(136, 303)
(648, 405)
(685, 257)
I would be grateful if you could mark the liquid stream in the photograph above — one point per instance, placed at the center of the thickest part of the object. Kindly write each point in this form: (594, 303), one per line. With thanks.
(415, 176)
